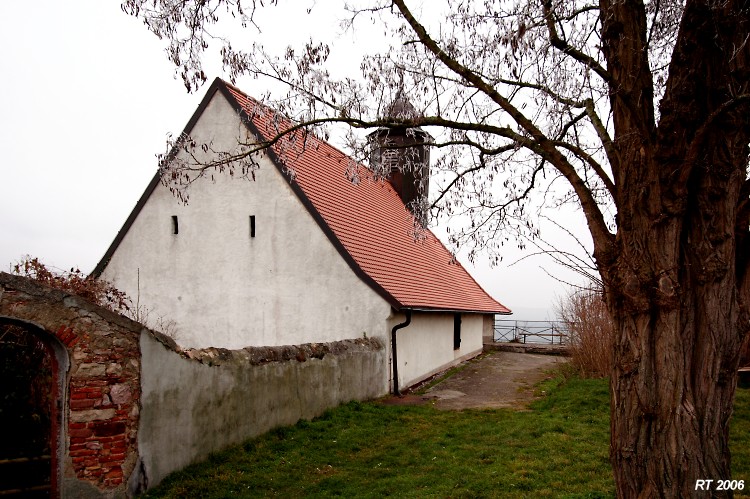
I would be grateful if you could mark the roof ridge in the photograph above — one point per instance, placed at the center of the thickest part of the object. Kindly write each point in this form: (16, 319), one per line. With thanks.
(292, 121)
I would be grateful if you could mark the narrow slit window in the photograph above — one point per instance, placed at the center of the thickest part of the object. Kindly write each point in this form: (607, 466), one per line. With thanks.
(175, 225)
(252, 225)
(456, 331)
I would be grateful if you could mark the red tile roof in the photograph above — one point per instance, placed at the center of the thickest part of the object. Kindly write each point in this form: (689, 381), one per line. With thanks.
(368, 222)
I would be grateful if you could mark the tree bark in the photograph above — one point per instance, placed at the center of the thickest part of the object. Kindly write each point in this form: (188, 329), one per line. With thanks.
(674, 288)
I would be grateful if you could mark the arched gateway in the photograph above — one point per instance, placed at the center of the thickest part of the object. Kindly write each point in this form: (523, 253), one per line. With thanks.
(69, 393)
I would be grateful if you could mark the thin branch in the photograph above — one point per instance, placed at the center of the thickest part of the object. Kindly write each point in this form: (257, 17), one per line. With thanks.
(613, 156)
(592, 162)
(545, 89)
(573, 52)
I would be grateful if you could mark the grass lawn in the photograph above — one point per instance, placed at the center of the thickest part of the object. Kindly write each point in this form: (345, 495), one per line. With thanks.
(558, 448)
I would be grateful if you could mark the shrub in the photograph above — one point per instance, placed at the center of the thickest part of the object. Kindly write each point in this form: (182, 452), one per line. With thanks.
(98, 291)
(95, 290)
(591, 332)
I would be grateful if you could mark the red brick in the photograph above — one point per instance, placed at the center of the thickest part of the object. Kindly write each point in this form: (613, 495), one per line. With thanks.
(78, 395)
(77, 426)
(67, 335)
(116, 471)
(83, 453)
(109, 428)
(112, 458)
(83, 433)
(81, 404)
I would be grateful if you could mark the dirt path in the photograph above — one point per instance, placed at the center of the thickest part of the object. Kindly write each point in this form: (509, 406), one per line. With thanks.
(497, 379)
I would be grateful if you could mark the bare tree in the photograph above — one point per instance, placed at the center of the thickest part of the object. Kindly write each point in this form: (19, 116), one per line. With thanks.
(641, 107)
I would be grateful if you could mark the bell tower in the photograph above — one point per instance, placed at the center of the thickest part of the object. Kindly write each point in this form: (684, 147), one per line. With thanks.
(402, 156)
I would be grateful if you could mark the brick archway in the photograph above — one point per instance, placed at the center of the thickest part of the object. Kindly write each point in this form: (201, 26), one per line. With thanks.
(97, 362)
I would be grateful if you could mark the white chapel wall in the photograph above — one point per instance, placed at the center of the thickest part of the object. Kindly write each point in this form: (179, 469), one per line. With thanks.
(224, 288)
(425, 347)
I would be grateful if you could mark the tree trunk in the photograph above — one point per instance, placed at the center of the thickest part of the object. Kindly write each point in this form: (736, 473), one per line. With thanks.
(673, 385)
(676, 295)
(678, 347)
(675, 282)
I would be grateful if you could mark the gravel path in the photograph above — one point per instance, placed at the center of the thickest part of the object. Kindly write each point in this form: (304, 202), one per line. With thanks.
(496, 379)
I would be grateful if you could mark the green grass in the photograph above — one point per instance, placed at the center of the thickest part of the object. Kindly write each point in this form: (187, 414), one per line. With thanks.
(558, 448)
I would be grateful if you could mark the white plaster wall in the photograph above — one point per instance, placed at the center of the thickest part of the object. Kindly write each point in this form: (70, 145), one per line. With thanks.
(425, 347)
(190, 409)
(222, 288)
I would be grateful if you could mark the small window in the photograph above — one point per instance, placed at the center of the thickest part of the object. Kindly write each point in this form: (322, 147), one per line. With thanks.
(456, 331)
(252, 225)
(175, 226)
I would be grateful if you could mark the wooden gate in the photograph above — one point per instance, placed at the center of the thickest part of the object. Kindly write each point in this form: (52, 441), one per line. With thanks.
(30, 400)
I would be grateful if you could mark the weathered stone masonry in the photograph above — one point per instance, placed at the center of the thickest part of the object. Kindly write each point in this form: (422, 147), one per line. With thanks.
(100, 421)
(103, 407)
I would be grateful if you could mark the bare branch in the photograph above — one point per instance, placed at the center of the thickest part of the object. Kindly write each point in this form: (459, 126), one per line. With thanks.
(573, 52)
(592, 162)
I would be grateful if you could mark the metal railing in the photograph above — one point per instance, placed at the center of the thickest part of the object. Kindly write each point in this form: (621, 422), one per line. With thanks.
(549, 332)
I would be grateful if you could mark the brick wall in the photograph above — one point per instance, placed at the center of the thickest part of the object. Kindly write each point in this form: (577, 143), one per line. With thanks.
(102, 384)
(103, 402)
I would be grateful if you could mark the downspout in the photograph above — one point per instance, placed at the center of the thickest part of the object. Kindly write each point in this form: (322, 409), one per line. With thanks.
(394, 355)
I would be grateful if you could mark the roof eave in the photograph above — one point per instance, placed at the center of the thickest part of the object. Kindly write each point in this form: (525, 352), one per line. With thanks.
(419, 308)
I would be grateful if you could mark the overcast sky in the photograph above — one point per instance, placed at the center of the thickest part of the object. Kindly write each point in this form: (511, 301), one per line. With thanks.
(87, 99)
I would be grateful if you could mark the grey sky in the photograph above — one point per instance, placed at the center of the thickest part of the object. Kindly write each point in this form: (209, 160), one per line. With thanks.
(87, 99)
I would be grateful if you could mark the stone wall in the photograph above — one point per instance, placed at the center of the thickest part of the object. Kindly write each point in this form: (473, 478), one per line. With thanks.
(104, 391)
(195, 402)
(101, 406)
